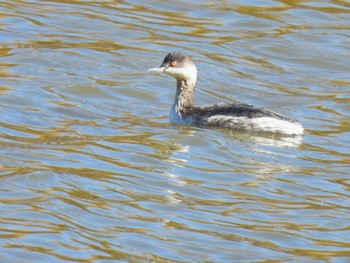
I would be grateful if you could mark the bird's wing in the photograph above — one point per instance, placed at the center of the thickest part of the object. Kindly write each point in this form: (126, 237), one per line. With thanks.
(236, 110)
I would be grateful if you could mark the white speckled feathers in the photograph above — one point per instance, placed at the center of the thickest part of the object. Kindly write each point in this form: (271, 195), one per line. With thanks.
(230, 115)
(261, 124)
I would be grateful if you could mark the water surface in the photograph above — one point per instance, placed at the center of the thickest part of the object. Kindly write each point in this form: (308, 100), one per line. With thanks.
(91, 170)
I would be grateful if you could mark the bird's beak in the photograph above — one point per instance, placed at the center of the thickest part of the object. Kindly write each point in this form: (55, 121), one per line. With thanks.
(159, 70)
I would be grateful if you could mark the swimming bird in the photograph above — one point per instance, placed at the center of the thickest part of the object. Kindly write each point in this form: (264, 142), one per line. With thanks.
(237, 116)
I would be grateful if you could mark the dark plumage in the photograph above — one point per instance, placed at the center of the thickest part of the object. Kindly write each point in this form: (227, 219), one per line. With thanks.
(233, 109)
(179, 58)
(231, 115)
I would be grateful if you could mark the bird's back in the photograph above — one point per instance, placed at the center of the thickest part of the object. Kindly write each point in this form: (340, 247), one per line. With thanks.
(240, 116)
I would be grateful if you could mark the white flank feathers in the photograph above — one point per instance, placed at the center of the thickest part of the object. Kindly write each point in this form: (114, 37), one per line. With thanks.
(262, 124)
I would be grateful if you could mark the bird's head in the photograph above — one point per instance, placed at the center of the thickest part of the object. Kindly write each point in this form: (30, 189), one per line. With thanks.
(179, 66)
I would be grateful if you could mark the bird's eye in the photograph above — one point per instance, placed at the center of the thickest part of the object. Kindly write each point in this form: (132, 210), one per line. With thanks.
(173, 64)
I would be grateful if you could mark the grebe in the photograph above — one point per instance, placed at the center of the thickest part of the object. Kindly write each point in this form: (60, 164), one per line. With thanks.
(231, 115)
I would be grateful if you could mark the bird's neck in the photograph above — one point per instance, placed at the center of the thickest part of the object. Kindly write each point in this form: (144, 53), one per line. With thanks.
(184, 97)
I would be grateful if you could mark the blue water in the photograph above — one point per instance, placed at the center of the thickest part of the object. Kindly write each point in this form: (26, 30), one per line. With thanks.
(92, 171)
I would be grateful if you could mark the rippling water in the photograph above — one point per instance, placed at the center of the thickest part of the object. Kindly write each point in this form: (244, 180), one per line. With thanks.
(91, 170)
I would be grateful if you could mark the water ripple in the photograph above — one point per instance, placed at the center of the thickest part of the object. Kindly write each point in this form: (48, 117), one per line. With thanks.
(91, 170)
